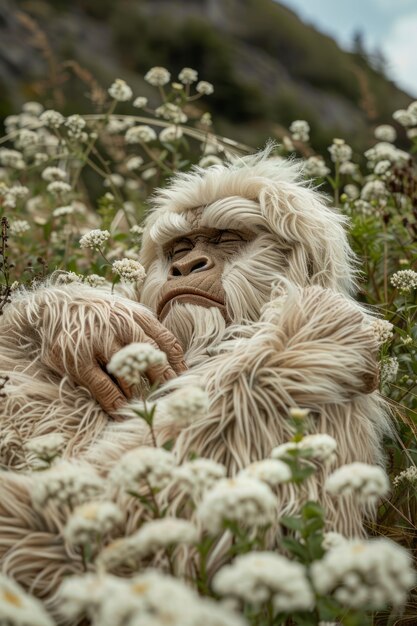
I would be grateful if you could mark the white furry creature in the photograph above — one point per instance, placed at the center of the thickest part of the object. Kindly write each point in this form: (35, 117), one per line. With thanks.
(249, 291)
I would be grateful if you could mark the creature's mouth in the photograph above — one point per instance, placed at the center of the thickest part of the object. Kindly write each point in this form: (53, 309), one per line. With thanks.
(185, 294)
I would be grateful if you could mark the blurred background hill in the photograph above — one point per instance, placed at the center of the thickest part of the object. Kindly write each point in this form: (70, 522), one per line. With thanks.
(268, 67)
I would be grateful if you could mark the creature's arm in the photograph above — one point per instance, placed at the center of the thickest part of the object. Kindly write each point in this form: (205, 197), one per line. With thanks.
(73, 330)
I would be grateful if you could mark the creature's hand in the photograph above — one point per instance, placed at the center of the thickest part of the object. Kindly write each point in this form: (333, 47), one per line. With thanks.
(81, 342)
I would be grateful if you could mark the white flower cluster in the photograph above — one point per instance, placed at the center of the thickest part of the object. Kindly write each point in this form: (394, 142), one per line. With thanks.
(320, 447)
(408, 475)
(352, 191)
(45, 446)
(385, 132)
(17, 608)
(204, 88)
(382, 330)
(300, 130)
(92, 520)
(246, 501)
(140, 102)
(187, 405)
(134, 163)
(158, 76)
(141, 601)
(365, 575)
(407, 117)
(94, 239)
(171, 112)
(133, 360)
(270, 471)
(94, 280)
(62, 211)
(141, 466)
(389, 369)
(385, 151)
(262, 576)
(315, 167)
(140, 134)
(340, 151)
(18, 227)
(59, 188)
(66, 483)
(53, 173)
(374, 190)
(120, 90)
(12, 195)
(332, 540)
(198, 475)
(163, 533)
(404, 280)
(170, 133)
(52, 118)
(348, 168)
(75, 124)
(363, 481)
(188, 76)
(12, 158)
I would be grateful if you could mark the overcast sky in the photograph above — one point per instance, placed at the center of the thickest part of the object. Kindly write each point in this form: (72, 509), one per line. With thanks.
(390, 25)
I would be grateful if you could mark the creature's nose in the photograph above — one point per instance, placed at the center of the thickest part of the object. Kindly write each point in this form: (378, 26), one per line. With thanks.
(190, 264)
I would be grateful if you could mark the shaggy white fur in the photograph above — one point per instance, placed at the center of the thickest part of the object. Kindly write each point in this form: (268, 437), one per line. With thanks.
(310, 348)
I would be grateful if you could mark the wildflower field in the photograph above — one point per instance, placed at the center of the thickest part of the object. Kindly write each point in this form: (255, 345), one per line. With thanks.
(73, 193)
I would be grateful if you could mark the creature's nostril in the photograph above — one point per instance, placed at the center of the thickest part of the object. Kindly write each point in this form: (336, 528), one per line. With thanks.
(175, 272)
(199, 266)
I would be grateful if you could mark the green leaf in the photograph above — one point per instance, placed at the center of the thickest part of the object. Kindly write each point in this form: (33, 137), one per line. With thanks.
(295, 548)
(293, 523)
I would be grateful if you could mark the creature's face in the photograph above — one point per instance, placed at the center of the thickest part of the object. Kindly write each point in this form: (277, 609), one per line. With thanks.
(197, 263)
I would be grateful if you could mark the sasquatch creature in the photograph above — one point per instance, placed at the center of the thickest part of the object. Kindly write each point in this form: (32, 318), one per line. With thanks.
(249, 292)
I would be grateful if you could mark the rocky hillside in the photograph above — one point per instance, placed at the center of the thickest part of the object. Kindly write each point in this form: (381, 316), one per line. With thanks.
(268, 67)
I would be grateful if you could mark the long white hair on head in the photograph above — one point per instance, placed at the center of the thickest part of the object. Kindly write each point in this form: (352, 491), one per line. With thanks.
(287, 206)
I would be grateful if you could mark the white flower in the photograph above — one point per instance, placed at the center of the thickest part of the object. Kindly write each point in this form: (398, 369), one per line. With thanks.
(404, 117)
(332, 540)
(149, 173)
(33, 108)
(94, 239)
(39, 158)
(12, 158)
(75, 124)
(351, 191)
(45, 446)
(134, 163)
(133, 360)
(18, 608)
(365, 574)
(170, 133)
(153, 466)
(66, 483)
(340, 151)
(129, 270)
(300, 130)
(94, 280)
(17, 227)
(58, 188)
(209, 160)
(188, 76)
(412, 110)
(315, 166)
(204, 88)
(186, 405)
(412, 133)
(206, 120)
(163, 533)
(158, 76)
(408, 475)
(138, 134)
(90, 521)
(198, 475)
(120, 90)
(52, 118)
(79, 595)
(382, 330)
(389, 369)
(27, 139)
(63, 210)
(258, 577)
(385, 132)
(116, 126)
(320, 447)
(270, 471)
(348, 168)
(364, 207)
(54, 173)
(404, 280)
(247, 501)
(140, 102)
(365, 482)
(382, 167)
(385, 151)
(136, 230)
(172, 112)
(374, 190)
(114, 180)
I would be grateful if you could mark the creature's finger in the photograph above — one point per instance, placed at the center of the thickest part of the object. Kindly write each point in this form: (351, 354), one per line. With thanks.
(103, 360)
(165, 340)
(103, 390)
